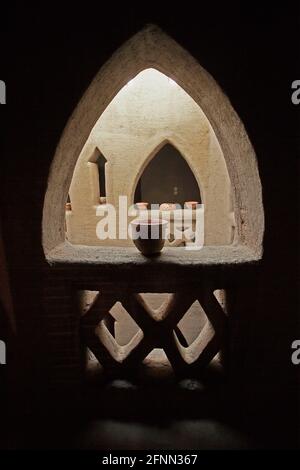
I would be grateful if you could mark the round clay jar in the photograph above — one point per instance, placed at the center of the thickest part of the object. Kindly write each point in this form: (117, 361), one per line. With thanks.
(149, 235)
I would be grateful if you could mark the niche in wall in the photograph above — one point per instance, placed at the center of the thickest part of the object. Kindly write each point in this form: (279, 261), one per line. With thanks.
(167, 179)
(152, 144)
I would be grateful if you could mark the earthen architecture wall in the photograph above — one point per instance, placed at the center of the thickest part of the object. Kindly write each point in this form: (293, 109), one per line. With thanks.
(148, 112)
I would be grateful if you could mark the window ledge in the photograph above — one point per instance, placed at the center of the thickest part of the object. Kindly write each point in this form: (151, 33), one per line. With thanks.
(68, 254)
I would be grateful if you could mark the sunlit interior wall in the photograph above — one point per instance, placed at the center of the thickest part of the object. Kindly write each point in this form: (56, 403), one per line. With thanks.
(148, 112)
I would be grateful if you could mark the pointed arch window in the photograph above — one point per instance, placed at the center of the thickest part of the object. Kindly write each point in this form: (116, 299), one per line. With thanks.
(153, 49)
(167, 178)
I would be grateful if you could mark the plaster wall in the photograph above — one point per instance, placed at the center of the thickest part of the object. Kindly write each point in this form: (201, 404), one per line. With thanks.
(149, 111)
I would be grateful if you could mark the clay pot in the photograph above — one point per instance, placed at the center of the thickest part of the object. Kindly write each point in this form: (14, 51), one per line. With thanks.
(167, 206)
(142, 206)
(149, 235)
(191, 204)
(68, 206)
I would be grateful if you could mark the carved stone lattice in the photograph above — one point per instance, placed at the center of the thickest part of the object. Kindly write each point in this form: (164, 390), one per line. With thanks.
(158, 328)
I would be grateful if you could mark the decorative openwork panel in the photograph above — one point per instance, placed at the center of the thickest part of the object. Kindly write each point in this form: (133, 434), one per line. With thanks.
(157, 328)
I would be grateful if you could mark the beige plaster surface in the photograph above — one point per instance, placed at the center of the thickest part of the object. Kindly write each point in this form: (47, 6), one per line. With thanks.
(148, 112)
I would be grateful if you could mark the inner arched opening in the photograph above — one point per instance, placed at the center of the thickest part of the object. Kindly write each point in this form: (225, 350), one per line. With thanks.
(167, 179)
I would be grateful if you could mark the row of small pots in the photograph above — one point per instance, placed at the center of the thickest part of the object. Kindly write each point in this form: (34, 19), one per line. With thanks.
(167, 206)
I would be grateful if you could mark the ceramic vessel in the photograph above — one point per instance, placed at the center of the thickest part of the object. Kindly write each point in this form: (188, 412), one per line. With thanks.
(149, 235)
(191, 204)
(142, 206)
(167, 206)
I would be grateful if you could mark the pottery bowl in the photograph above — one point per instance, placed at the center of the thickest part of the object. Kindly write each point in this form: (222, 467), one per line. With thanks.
(149, 235)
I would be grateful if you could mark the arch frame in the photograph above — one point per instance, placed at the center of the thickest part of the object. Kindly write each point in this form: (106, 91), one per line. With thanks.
(152, 48)
(173, 141)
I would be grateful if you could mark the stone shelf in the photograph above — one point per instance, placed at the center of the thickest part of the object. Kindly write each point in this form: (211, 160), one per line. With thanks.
(67, 253)
(90, 264)
(86, 282)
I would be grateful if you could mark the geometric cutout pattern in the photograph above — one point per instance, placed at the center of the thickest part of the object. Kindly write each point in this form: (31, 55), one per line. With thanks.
(192, 323)
(155, 328)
